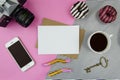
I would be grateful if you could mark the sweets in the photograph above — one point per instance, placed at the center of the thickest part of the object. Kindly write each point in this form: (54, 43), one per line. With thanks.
(63, 70)
(79, 10)
(107, 14)
(56, 61)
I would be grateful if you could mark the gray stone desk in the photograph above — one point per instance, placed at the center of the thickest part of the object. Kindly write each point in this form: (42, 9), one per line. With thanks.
(87, 58)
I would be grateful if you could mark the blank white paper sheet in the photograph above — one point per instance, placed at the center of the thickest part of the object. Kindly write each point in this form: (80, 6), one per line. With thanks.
(58, 39)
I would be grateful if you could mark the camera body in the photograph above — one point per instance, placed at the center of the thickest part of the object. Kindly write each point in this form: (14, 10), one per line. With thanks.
(13, 9)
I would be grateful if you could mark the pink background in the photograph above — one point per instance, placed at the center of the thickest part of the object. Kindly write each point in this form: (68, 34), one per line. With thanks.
(53, 9)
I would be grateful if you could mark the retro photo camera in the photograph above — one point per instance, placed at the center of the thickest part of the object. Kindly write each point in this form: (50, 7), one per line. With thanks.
(14, 9)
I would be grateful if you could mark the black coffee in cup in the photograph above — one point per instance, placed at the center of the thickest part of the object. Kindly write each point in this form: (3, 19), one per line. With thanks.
(98, 42)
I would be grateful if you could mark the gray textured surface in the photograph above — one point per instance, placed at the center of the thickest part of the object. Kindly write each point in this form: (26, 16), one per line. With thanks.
(87, 58)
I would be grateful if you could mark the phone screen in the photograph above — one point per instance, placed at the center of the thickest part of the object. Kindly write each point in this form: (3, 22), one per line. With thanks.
(20, 54)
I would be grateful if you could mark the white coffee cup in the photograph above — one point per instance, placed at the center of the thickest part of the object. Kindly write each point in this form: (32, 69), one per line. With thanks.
(108, 40)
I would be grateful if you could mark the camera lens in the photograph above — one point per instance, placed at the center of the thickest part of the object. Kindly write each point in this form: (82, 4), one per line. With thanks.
(23, 16)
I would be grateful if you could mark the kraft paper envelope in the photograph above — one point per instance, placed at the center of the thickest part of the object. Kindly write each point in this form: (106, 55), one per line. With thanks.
(46, 21)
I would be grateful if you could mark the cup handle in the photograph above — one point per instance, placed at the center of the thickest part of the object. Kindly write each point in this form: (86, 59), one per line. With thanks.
(111, 35)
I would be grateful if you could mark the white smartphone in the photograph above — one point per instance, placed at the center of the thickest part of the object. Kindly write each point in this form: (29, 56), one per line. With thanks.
(20, 54)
